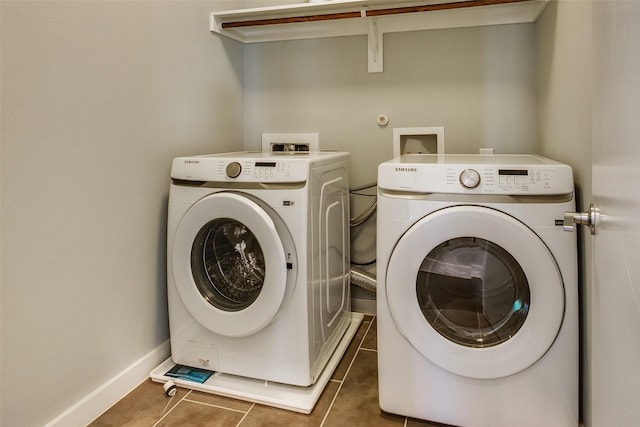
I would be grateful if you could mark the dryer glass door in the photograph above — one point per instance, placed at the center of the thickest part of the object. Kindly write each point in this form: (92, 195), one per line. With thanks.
(475, 291)
(230, 264)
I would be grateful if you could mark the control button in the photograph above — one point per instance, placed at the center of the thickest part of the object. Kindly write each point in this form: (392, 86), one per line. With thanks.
(470, 178)
(233, 169)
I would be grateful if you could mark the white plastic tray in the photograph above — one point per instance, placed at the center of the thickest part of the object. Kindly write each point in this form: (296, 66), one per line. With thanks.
(289, 397)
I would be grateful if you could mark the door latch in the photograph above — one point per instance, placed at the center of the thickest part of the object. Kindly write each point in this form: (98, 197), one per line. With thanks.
(571, 219)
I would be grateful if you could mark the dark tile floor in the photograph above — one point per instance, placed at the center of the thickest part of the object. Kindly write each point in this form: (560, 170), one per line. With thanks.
(350, 399)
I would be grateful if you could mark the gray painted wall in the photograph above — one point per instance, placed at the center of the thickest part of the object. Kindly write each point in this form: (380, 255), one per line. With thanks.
(97, 98)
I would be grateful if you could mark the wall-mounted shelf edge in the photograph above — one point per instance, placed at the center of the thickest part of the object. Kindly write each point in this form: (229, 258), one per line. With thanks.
(368, 17)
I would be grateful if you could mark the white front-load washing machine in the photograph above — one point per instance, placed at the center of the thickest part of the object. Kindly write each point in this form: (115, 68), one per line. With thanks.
(477, 298)
(258, 263)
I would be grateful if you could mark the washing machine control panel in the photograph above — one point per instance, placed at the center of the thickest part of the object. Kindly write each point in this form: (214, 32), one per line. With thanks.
(264, 171)
(227, 169)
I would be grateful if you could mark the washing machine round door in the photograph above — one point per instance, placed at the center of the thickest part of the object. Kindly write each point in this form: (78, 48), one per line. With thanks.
(229, 264)
(475, 291)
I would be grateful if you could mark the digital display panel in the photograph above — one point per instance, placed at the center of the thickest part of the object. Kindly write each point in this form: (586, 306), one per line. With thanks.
(265, 164)
(518, 172)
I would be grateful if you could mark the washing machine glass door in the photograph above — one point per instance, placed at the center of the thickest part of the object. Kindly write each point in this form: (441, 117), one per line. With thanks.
(229, 264)
(475, 291)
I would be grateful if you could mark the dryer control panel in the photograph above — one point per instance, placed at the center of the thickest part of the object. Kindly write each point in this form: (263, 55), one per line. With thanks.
(468, 174)
(502, 181)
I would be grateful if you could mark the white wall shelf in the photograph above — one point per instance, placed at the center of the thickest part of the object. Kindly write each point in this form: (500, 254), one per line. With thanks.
(369, 17)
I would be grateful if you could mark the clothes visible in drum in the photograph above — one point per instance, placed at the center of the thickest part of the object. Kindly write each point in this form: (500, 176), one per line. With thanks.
(227, 264)
(234, 261)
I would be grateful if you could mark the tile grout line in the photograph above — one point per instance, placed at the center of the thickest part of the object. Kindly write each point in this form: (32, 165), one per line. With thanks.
(172, 408)
(216, 406)
(253, 405)
(346, 373)
(167, 405)
(184, 399)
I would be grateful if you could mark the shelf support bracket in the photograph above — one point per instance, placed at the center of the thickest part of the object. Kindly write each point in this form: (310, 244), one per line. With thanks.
(374, 44)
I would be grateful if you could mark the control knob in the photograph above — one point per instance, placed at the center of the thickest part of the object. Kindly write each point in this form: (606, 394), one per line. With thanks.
(233, 169)
(470, 178)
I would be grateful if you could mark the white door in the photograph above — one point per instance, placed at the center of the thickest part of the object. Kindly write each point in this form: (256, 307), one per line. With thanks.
(615, 293)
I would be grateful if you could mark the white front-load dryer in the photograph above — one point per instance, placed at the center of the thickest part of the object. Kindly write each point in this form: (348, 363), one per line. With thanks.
(477, 297)
(258, 263)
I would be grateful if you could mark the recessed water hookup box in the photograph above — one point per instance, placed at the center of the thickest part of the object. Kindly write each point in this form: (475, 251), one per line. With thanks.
(419, 140)
(290, 142)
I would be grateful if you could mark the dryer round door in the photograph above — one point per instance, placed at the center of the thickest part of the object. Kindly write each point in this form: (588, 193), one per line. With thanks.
(229, 264)
(475, 291)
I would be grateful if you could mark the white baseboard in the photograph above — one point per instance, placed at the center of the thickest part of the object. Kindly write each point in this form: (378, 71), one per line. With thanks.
(105, 396)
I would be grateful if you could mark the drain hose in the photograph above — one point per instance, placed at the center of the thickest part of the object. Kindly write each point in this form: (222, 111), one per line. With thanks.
(363, 279)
